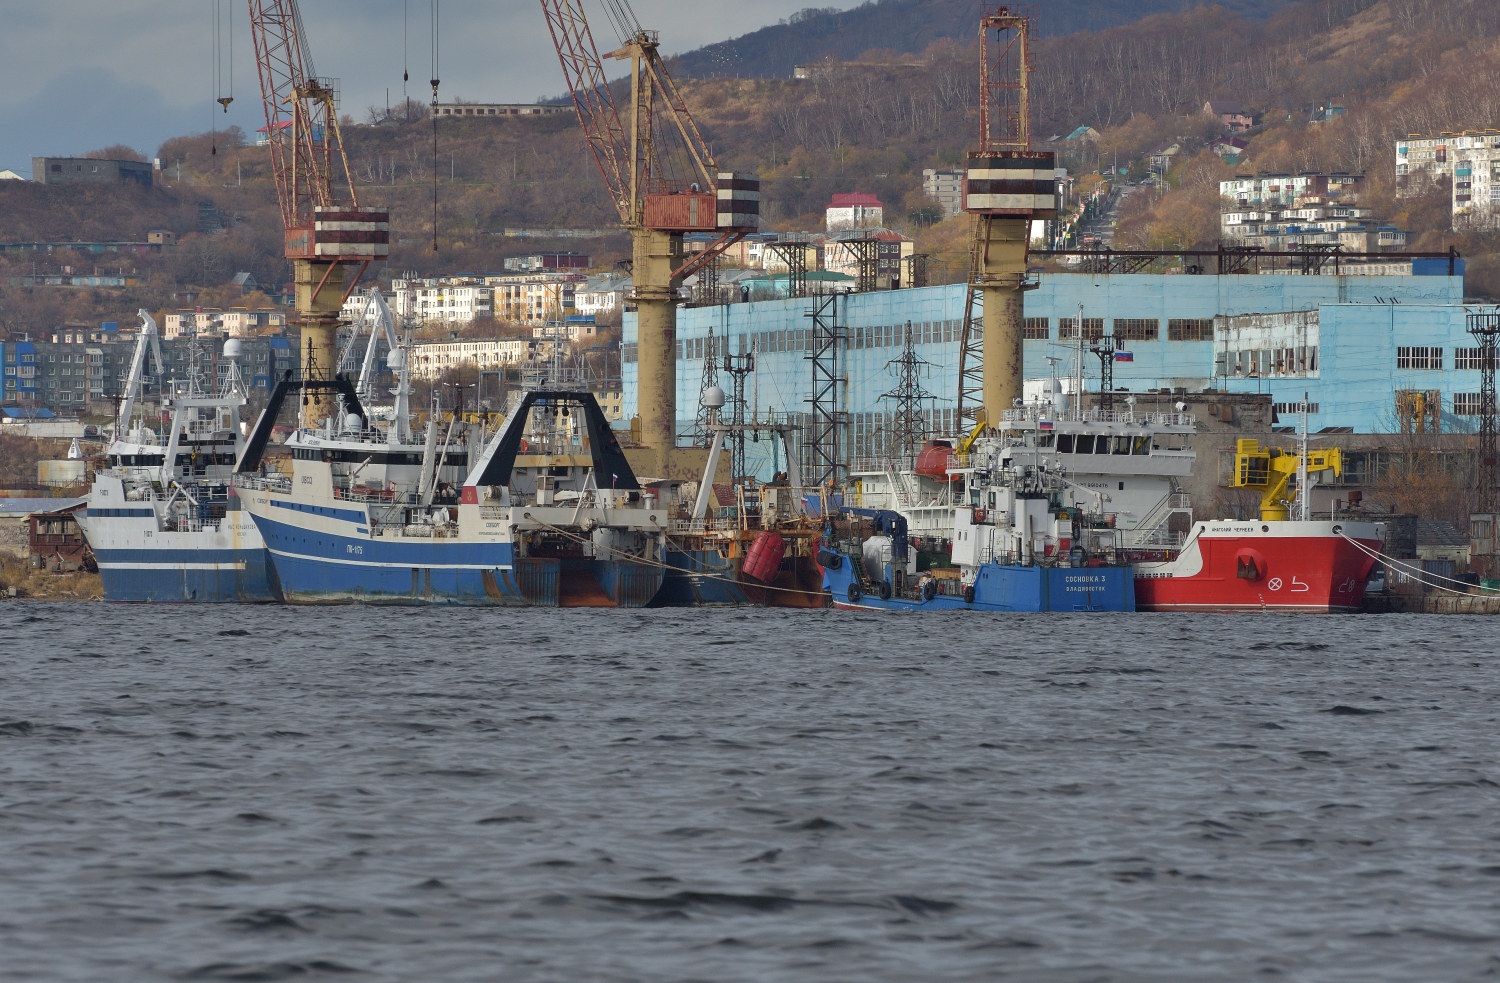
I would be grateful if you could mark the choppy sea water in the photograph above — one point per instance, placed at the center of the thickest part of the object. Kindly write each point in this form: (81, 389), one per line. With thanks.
(264, 793)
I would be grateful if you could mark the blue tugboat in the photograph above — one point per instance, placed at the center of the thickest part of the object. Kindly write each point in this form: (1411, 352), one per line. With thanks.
(1017, 544)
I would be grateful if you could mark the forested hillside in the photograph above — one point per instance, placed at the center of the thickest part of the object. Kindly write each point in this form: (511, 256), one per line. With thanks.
(1395, 66)
(909, 26)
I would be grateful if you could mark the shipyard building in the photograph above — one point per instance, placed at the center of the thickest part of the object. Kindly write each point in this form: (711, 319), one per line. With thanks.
(1365, 352)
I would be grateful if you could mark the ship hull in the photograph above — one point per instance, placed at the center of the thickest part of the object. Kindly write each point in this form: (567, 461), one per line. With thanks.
(705, 578)
(996, 587)
(326, 555)
(1290, 566)
(140, 561)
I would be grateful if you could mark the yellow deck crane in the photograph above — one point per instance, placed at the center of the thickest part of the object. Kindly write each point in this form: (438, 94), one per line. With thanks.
(330, 239)
(665, 183)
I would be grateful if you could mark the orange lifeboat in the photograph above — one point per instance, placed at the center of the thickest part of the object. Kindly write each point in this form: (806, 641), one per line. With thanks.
(763, 561)
(935, 460)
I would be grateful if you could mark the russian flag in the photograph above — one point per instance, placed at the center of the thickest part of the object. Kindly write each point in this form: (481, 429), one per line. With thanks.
(1124, 356)
(1044, 424)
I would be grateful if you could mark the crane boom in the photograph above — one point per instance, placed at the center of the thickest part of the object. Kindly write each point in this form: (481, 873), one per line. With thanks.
(134, 382)
(664, 182)
(330, 240)
(583, 72)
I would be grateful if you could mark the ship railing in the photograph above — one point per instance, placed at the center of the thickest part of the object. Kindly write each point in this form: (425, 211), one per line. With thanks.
(356, 492)
(1154, 529)
(274, 482)
(1035, 413)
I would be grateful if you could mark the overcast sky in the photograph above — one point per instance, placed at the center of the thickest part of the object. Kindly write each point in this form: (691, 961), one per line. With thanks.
(81, 75)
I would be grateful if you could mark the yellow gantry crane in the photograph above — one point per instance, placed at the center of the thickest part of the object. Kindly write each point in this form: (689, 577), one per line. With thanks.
(330, 239)
(665, 183)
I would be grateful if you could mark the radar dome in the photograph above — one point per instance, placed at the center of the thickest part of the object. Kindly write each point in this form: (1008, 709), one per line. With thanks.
(714, 398)
(233, 348)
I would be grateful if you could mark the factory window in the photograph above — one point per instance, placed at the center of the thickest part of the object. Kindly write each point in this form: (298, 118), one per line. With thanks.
(1093, 328)
(1468, 358)
(1419, 357)
(1293, 409)
(1466, 404)
(1037, 329)
(1190, 329)
(1137, 328)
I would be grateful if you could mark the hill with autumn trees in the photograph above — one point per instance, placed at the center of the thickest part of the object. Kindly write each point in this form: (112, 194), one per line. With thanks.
(867, 121)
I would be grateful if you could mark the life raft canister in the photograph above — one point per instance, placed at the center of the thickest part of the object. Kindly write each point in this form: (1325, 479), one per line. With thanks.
(763, 561)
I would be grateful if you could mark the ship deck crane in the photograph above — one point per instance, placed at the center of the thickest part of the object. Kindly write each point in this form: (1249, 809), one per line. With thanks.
(149, 338)
(330, 239)
(665, 183)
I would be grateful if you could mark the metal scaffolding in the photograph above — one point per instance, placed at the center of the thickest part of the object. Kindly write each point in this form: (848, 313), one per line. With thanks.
(824, 461)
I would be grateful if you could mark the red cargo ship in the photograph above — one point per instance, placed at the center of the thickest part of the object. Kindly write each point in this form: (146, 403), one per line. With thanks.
(1288, 565)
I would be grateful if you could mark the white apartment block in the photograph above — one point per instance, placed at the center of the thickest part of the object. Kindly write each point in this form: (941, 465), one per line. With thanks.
(237, 322)
(431, 359)
(572, 331)
(601, 294)
(854, 210)
(946, 187)
(534, 298)
(1434, 156)
(1288, 190)
(1476, 188)
(449, 300)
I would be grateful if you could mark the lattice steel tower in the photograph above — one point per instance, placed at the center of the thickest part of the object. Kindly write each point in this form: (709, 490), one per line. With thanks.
(909, 426)
(703, 426)
(1486, 330)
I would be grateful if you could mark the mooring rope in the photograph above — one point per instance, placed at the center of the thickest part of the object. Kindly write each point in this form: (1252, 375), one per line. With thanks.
(1415, 573)
(663, 565)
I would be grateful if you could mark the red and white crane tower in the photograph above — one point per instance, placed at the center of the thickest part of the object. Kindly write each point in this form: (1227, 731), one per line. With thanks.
(1007, 185)
(665, 184)
(330, 239)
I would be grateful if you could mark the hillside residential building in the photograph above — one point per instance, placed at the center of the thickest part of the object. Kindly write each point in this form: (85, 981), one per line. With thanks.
(430, 359)
(1229, 148)
(599, 294)
(1434, 156)
(534, 298)
(1231, 115)
(497, 110)
(548, 262)
(80, 370)
(237, 322)
(90, 170)
(855, 210)
(443, 300)
(946, 187)
(882, 250)
(1287, 190)
(1284, 211)
(1476, 188)
(575, 329)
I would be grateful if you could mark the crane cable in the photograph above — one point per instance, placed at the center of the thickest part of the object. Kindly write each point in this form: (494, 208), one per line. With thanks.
(220, 95)
(434, 81)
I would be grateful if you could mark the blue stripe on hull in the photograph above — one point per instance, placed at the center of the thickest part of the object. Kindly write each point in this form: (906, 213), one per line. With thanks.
(323, 568)
(186, 576)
